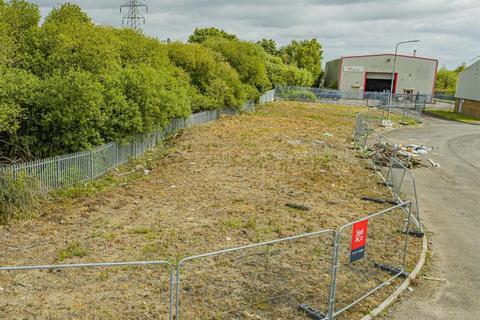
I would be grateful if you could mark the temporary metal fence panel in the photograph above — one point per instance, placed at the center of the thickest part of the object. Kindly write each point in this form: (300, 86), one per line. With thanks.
(403, 185)
(133, 290)
(388, 160)
(406, 110)
(375, 115)
(282, 277)
(359, 272)
(310, 275)
(407, 106)
(443, 96)
(362, 131)
(352, 95)
(379, 96)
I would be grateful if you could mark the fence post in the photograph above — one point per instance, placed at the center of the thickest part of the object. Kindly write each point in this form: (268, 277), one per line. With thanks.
(333, 275)
(135, 148)
(57, 182)
(367, 133)
(92, 155)
(390, 171)
(116, 156)
(14, 172)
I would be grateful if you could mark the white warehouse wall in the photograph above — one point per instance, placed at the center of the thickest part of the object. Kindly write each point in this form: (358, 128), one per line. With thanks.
(468, 86)
(413, 72)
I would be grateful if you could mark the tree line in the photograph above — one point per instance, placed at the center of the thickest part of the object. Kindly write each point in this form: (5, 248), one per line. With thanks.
(68, 85)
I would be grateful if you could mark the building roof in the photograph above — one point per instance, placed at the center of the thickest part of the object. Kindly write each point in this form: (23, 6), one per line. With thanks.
(386, 54)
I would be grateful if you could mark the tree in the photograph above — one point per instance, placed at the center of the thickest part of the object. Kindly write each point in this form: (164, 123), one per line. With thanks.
(123, 117)
(247, 58)
(18, 93)
(306, 54)
(446, 81)
(20, 16)
(8, 45)
(9, 110)
(270, 46)
(284, 74)
(202, 34)
(78, 46)
(18, 20)
(460, 68)
(68, 113)
(67, 13)
(217, 84)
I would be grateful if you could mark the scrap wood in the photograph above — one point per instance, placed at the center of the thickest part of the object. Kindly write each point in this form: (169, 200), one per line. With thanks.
(377, 200)
(298, 206)
(434, 164)
(385, 151)
(434, 279)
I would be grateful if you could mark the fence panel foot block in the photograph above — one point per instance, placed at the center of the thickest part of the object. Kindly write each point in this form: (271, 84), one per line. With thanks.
(391, 270)
(311, 312)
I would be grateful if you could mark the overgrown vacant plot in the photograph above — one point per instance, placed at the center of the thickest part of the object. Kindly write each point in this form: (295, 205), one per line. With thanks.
(213, 187)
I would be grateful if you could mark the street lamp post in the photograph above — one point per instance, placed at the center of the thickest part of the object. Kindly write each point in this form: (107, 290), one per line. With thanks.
(393, 72)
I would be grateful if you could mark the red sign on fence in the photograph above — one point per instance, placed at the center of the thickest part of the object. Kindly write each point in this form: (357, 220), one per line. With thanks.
(359, 240)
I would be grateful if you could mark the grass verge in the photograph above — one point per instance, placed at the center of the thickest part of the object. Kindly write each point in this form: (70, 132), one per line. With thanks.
(451, 115)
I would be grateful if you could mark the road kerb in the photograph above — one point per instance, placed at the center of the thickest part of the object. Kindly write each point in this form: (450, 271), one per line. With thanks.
(403, 286)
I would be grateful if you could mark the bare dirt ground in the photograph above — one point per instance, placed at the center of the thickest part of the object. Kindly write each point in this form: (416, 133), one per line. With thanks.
(213, 187)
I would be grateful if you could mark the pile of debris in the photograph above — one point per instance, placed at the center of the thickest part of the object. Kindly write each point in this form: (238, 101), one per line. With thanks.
(414, 149)
(408, 155)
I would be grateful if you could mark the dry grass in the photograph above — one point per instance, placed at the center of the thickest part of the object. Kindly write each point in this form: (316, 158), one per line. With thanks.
(213, 187)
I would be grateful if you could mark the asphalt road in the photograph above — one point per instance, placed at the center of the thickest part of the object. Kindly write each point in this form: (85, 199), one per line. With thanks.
(450, 198)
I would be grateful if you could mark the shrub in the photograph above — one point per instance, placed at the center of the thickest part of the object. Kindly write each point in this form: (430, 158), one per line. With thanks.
(298, 95)
(201, 34)
(18, 93)
(159, 96)
(247, 58)
(18, 197)
(67, 115)
(287, 75)
(217, 84)
(305, 54)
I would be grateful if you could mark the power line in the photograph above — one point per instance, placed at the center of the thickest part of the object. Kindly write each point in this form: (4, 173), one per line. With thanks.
(133, 19)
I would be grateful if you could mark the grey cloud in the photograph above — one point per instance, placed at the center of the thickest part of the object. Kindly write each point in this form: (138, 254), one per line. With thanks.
(449, 29)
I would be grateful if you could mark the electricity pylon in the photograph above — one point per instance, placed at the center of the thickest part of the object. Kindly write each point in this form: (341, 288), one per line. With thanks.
(133, 19)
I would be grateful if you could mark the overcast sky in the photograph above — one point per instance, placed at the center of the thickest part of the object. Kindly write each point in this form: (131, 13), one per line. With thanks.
(449, 30)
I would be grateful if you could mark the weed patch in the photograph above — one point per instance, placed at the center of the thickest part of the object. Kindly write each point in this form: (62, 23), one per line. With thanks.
(74, 250)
